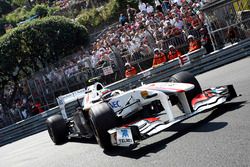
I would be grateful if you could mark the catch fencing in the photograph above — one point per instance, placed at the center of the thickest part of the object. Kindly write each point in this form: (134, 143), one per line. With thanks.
(199, 63)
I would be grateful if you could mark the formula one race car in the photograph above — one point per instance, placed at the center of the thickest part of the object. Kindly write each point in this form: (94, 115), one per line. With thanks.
(117, 118)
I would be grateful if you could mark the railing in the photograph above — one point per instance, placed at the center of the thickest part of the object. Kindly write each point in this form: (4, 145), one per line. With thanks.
(199, 63)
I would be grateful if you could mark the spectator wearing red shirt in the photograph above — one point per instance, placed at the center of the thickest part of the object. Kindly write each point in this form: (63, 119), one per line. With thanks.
(38, 105)
(173, 53)
(193, 44)
(159, 57)
(36, 108)
(130, 70)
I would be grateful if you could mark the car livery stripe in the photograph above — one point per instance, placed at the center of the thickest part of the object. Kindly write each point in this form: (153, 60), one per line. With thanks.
(146, 120)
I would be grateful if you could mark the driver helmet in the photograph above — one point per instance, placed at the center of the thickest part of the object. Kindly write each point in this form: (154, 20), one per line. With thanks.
(106, 93)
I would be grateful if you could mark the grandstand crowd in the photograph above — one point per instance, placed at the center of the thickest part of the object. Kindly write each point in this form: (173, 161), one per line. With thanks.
(147, 29)
(141, 32)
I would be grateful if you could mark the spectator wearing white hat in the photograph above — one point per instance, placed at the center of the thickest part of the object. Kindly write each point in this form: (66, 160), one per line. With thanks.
(159, 58)
(130, 70)
(173, 52)
(193, 43)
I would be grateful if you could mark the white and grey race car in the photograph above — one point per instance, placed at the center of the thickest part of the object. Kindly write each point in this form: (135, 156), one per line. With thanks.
(117, 118)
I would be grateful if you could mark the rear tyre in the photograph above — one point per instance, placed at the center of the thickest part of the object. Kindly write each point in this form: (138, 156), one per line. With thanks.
(186, 77)
(57, 129)
(102, 118)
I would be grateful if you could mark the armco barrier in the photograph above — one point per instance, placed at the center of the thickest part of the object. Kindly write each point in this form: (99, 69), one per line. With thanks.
(199, 63)
(31, 125)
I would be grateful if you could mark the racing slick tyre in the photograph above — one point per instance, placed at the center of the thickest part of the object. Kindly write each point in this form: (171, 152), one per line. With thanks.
(102, 118)
(57, 129)
(186, 77)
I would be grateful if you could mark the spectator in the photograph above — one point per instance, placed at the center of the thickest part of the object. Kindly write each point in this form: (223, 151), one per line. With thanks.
(34, 109)
(206, 41)
(173, 53)
(158, 5)
(178, 23)
(193, 44)
(131, 12)
(122, 19)
(142, 7)
(178, 2)
(130, 70)
(104, 61)
(201, 16)
(145, 50)
(196, 22)
(150, 9)
(159, 57)
(166, 6)
(38, 106)
(231, 35)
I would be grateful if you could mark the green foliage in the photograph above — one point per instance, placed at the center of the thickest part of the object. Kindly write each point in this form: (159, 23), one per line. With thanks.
(18, 15)
(40, 10)
(96, 16)
(19, 3)
(23, 13)
(244, 4)
(53, 10)
(38, 43)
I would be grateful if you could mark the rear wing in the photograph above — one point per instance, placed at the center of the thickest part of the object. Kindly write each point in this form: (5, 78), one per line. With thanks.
(76, 95)
(68, 98)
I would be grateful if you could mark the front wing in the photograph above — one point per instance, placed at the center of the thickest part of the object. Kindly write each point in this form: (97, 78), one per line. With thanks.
(147, 127)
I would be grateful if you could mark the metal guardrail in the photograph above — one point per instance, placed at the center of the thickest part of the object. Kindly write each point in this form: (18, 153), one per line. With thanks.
(199, 63)
(31, 125)
(155, 74)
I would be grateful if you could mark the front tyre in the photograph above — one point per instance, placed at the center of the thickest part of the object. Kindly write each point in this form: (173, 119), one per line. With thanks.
(57, 129)
(102, 118)
(186, 77)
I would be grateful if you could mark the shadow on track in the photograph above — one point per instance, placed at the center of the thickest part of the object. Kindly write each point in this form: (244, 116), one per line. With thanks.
(181, 129)
(83, 140)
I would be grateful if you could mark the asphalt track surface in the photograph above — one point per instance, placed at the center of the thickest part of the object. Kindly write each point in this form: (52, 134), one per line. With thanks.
(215, 138)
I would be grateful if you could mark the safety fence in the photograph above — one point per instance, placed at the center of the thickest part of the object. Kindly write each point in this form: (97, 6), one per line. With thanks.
(198, 63)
